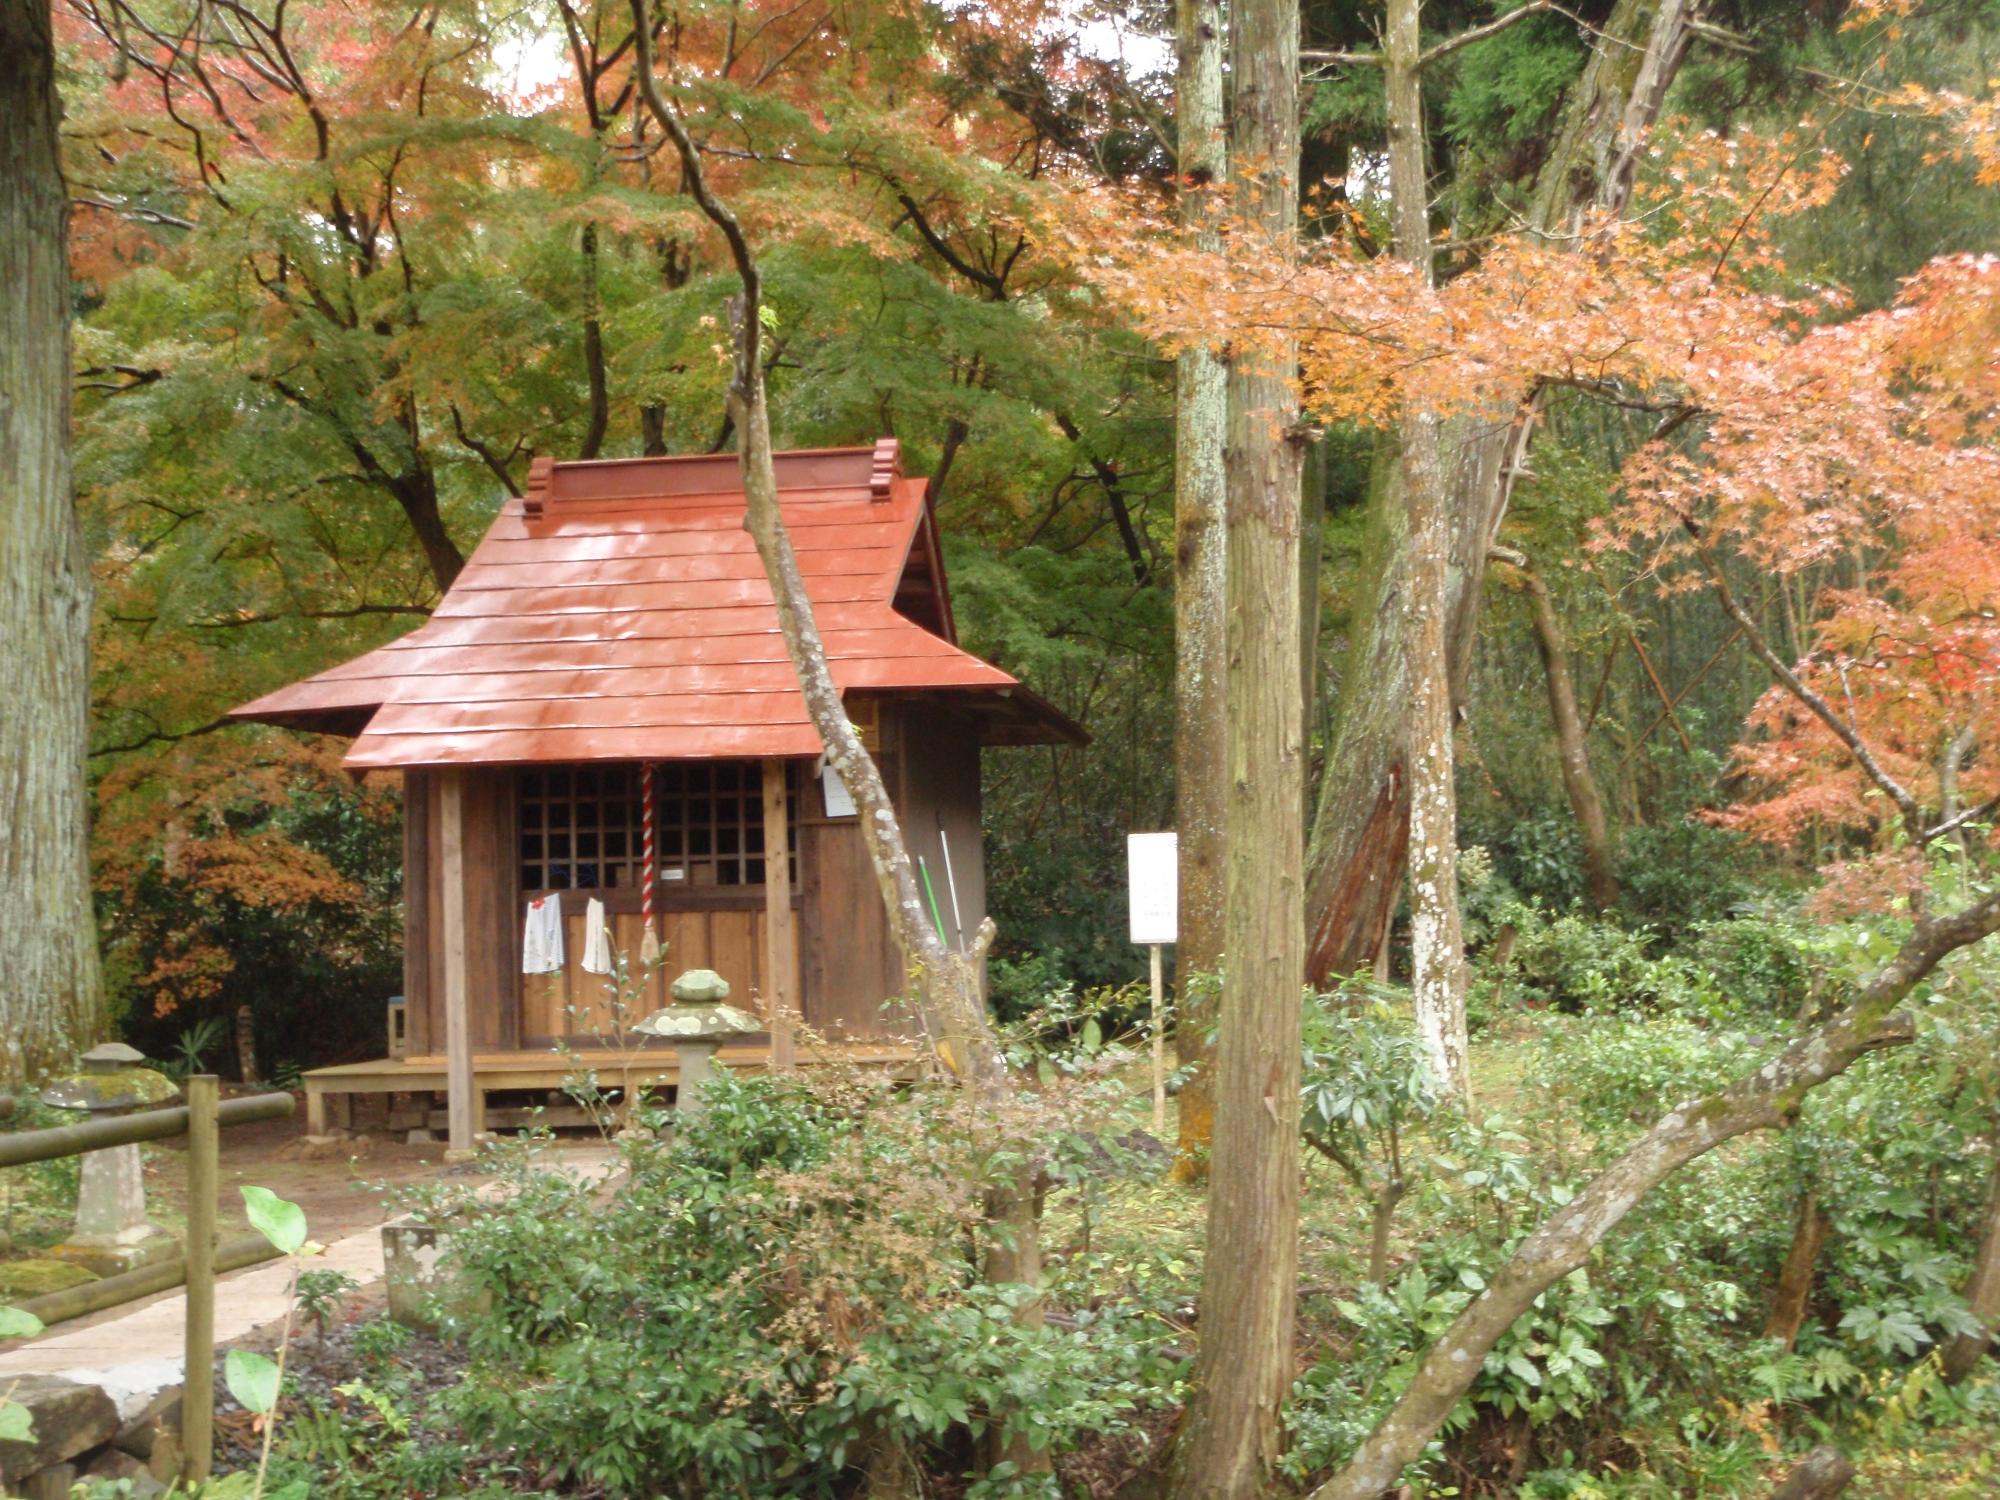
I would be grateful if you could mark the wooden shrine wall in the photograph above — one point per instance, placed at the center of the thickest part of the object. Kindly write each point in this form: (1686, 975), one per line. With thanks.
(848, 966)
(930, 763)
(492, 923)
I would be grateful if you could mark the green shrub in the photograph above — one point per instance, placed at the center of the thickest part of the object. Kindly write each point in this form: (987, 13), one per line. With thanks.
(784, 1300)
(1763, 965)
(1683, 871)
(1649, 1373)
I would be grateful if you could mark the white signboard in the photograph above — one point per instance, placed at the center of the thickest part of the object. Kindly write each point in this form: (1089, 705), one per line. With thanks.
(839, 801)
(1154, 862)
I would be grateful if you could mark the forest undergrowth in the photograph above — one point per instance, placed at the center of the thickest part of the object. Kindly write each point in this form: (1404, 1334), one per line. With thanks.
(787, 1300)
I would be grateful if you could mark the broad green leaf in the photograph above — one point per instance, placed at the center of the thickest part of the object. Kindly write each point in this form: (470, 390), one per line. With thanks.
(1093, 1035)
(15, 1324)
(252, 1380)
(17, 1423)
(281, 1222)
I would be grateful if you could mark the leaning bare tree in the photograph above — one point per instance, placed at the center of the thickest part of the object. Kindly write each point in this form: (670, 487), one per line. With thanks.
(50, 995)
(1767, 1099)
(948, 996)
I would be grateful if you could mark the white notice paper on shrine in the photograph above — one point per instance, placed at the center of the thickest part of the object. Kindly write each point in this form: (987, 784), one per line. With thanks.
(1154, 861)
(839, 801)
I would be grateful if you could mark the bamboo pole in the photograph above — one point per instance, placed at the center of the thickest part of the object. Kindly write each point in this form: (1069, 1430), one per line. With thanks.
(198, 1376)
(1687, 687)
(27, 1146)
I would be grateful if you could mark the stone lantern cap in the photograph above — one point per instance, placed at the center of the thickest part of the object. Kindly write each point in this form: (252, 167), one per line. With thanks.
(699, 1023)
(101, 1090)
(699, 987)
(109, 1057)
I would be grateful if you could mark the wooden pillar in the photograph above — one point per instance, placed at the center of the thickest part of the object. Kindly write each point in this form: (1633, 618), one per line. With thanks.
(460, 1080)
(780, 959)
(198, 1254)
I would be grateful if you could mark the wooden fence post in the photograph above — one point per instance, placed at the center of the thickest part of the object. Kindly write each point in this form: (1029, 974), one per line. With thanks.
(198, 1380)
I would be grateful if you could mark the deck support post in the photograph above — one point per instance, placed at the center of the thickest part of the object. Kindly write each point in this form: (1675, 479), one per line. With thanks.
(462, 1108)
(780, 963)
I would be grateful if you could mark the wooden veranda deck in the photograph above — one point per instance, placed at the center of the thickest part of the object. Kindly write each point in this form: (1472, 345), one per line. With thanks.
(538, 1072)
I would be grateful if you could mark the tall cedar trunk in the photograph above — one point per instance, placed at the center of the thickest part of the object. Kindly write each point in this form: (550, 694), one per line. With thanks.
(949, 1000)
(1358, 852)
(1231, 1435)
(1600, 873)
(51, 1002)
(1437, 939)
(1767, 1099)
(1982, 1294)
(1201, 414)
(1312, 557)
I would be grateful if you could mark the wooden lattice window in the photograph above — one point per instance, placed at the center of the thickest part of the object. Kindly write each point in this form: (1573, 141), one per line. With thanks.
(582, 829)
(710, 823)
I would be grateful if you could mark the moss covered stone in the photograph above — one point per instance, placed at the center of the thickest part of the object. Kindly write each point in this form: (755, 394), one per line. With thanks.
(123, 1088)
(34, 1278)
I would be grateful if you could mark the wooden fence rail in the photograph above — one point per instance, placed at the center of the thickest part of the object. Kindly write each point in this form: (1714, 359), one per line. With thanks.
(201, 1120)
(25, 1146)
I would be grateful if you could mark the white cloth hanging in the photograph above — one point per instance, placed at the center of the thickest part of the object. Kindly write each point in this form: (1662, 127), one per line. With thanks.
(542, 936)
(596, 939)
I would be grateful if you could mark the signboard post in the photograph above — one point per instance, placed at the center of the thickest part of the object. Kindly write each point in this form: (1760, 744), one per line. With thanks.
(1153, 863)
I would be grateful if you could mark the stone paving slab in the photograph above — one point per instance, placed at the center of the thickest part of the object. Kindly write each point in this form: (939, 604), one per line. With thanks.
(244, 1300)
(134, 1350)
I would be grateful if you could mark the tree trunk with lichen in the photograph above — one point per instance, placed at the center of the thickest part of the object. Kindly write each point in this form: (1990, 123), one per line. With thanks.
(1358, 850)
(1437, 938)
(1231, 1435)
(1201, 413)
(51, 999)
(1795, 1277)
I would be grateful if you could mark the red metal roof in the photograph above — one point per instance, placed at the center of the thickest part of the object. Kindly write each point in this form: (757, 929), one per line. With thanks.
(619, 611)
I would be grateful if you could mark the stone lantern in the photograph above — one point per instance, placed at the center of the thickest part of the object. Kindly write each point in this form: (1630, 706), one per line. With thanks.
(112, 1232)
(697, 1023)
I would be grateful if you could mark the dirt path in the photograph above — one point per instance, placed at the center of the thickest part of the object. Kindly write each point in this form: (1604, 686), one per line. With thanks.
(340, 1192)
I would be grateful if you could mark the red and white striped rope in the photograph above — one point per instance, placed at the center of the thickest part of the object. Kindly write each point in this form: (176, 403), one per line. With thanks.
(648, 874)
